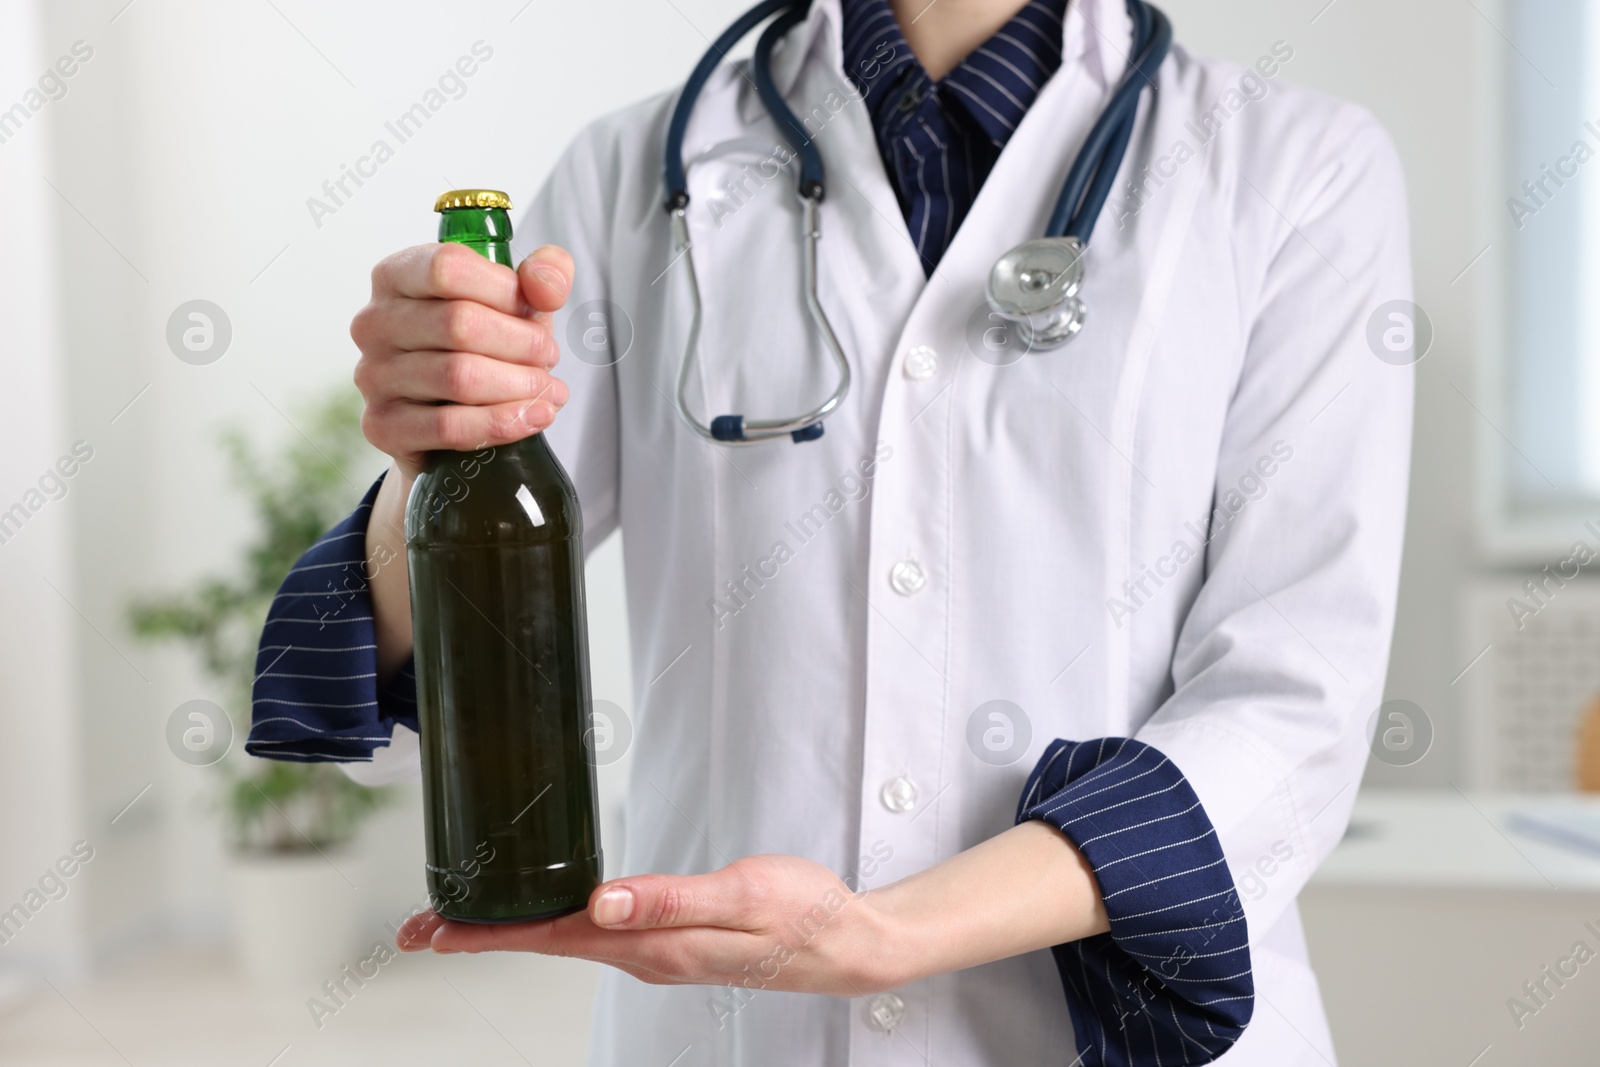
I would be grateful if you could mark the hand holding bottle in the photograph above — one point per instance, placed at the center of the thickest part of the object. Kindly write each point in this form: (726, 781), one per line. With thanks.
(446, 324)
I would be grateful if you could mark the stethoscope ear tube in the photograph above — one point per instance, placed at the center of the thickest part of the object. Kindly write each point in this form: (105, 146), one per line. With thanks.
(736, 429)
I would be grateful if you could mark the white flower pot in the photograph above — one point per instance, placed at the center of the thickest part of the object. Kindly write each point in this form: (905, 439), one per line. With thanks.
(294, 914)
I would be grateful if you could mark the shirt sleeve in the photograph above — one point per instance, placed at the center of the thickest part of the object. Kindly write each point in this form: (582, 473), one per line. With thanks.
(1279, 663)
(1170, 982)
(316, 695)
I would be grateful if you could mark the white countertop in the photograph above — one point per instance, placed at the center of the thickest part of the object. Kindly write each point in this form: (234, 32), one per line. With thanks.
(1444, 839)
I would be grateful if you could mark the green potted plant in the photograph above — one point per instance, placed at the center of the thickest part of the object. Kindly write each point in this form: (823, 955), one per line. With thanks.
(288, 824)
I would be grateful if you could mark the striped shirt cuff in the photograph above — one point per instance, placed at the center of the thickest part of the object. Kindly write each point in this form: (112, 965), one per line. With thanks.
(316, 695)
(1171, 982)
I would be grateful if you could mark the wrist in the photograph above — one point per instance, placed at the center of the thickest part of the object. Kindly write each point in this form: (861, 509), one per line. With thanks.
(901, 943)
(387, 576)
(386, 524)
(1023, 890)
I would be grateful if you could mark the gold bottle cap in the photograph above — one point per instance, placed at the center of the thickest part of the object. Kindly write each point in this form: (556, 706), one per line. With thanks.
(479, 198)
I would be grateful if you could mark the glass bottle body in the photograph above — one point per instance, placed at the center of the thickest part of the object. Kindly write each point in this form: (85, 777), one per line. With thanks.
(494, 543)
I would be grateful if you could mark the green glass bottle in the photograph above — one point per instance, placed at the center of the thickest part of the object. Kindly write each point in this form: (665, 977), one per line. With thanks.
(494, 541)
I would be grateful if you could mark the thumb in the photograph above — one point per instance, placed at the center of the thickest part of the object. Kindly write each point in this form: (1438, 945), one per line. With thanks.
(724, 898)
(546, 278)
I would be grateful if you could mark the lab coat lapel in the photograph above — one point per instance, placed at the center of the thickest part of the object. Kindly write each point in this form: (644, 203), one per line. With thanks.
(1016, 199)
(870, 274)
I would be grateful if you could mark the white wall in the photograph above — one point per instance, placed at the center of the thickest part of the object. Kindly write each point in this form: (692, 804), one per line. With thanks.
(185, 150)
(38, 662)
(1424, 68)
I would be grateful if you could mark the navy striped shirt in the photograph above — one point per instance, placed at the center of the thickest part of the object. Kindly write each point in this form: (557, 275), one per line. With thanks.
(939, 140)
(1171, 982)
(316, 690)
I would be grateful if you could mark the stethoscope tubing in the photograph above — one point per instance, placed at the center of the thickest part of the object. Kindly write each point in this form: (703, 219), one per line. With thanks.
(676, 182)
(1088, 183)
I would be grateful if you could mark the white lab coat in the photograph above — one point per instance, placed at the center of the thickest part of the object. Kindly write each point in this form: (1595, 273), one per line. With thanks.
(1226, 338)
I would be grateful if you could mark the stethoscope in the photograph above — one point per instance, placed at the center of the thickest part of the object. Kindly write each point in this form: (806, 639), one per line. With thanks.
(1034, 286)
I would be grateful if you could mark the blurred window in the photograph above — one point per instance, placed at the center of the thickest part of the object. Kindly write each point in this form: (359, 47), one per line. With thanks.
(1551, 464)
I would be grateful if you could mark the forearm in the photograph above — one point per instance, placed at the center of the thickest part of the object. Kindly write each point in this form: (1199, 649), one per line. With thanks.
(387, 574)
(1026, 889)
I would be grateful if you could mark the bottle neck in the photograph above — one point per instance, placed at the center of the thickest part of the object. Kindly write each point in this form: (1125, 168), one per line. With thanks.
(487, 231)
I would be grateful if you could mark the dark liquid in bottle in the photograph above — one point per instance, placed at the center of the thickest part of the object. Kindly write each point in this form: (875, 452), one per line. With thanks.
(495, 549)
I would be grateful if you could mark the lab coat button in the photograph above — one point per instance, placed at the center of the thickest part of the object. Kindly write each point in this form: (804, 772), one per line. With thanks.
(921, 363)
(907, 577)
(885, 1011)
(899, 794)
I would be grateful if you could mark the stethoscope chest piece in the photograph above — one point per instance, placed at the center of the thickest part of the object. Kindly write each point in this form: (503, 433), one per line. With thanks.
(1035, 287)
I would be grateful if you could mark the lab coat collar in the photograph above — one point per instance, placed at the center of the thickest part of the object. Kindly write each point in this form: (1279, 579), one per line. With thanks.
(1095, 33)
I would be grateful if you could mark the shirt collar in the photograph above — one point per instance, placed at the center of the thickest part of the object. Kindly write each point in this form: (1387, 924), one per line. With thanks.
(995, 85)
(876, 57)
(1095, 33)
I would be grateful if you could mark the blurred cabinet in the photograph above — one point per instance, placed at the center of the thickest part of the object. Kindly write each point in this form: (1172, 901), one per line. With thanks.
(1426, 922)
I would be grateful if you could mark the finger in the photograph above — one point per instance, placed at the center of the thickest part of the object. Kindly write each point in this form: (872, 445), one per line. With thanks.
(497, 937)
(725, 898)
(401, 426)
(415, 933)
(570, 935)
(546, 277)
(465, 378)
(448, 271)
(468, 326)
(668, 955)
